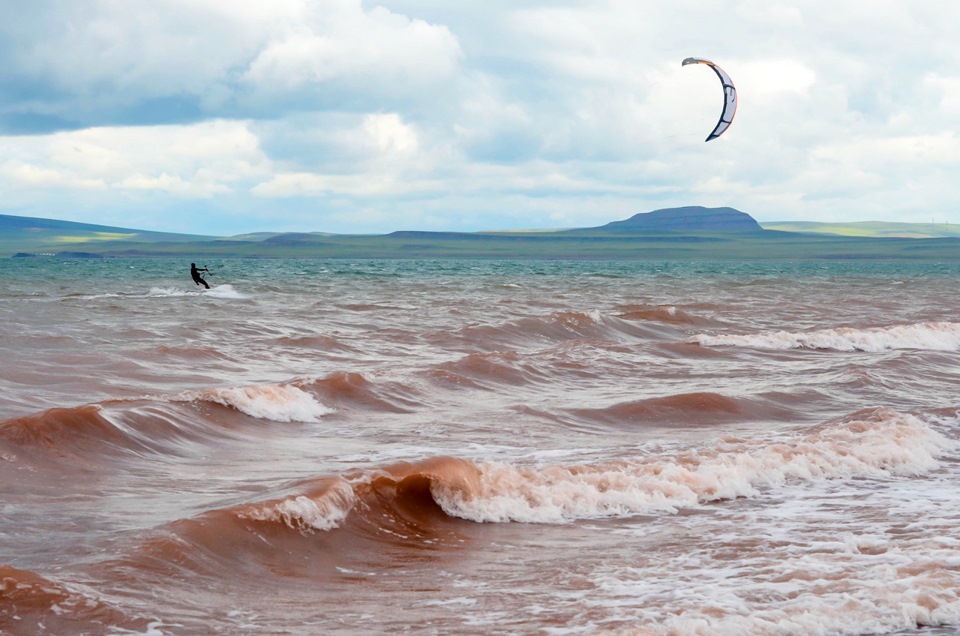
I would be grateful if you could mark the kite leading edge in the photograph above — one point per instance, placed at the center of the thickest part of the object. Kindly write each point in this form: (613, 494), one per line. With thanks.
(729, 96)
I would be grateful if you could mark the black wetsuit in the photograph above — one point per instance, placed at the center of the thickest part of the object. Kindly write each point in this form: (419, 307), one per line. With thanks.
(197, 278)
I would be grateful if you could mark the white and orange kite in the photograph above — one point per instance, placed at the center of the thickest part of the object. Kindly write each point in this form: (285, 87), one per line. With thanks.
(729, 96)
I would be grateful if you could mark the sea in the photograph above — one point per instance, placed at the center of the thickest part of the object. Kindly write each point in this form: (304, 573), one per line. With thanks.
(479, 447)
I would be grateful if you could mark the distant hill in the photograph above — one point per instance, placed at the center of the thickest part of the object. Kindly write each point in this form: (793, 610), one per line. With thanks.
(687, 233)
(691, 218)
(27, 235)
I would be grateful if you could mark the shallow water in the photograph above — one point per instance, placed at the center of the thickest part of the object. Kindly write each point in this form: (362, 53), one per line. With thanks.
(479, 447)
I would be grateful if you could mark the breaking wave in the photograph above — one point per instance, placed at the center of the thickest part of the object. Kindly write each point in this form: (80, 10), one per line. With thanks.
(931, 336)
(875, 443)
(276, 402)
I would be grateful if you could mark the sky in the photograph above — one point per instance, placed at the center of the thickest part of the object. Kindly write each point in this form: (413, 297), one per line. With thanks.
(225, 117)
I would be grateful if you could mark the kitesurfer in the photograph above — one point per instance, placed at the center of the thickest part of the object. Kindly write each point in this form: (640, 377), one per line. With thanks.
(195, 273)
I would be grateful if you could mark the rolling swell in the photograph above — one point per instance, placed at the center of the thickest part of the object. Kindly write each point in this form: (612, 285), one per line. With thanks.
(490, 369)
(32, 604)
(353, 390)
(688, 409)
(161, 425)
(668, 314)
(555, 327)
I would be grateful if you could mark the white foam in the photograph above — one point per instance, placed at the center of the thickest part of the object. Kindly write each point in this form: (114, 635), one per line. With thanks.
(224, 291)
(879, 444)
(160, 292)
(218, 291)
(305, 513)
(276, 402)
(932, 336)
(874, 599)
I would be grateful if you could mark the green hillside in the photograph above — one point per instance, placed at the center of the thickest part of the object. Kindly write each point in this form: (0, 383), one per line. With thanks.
(49, 236)
(869, 228)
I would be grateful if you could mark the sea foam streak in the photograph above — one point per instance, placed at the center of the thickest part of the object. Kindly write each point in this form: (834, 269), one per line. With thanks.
(875, 443)
(932, 336)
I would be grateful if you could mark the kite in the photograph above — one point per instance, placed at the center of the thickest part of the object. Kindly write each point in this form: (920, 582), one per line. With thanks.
(729, 96)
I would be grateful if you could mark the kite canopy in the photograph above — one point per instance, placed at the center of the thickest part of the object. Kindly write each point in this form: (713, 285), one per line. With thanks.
(729, 96)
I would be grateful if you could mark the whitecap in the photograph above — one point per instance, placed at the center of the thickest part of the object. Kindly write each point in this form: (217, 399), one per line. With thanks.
(224, 291)
(876, 444)
(305, 513)
(276, 402)
(929, 336)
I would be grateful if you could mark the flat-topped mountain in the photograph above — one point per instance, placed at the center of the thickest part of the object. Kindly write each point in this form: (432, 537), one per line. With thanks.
(687, 218)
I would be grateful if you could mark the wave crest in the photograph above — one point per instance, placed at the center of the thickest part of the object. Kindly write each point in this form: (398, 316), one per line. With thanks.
(305, 513)
(874, 443)
(931, 336)
(276, 402)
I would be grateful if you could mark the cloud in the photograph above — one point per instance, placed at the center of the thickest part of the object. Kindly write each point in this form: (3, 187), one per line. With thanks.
(170, 61)
(341, 115)
(200, 160)
(342, 41)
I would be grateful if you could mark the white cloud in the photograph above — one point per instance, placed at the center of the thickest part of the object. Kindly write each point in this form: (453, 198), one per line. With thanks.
(390, 135)
(34, 176)
(766, 79)
(341, 41)
(200, 160)
(340, 113)
(98, 60)
(948, 89)
(385, 157)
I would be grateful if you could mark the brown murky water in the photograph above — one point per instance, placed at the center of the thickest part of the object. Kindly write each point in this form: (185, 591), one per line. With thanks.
(479, 447)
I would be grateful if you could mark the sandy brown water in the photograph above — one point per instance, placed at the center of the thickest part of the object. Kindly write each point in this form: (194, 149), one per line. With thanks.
(479, 447)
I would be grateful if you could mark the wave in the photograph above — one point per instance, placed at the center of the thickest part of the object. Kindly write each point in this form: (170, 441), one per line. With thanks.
(476, 369)
(32, 604)
(558, 326)
(332, 528)
(60, 429)
(872, 444)
(275, 402)
(350, 389)
(313, 531)
(419, 501)
(153, 424)
(314, 343)
(689, 409)
(662, 313)
(930, 336)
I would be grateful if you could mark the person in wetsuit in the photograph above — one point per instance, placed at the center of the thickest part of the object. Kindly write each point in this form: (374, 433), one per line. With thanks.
(195, 273)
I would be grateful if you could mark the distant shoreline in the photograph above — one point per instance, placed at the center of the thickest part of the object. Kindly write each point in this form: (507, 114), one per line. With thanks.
(675, 234)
